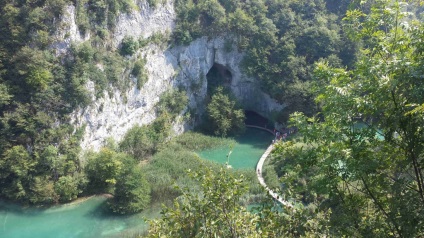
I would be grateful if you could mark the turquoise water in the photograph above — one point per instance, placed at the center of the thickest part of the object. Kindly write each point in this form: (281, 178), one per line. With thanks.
(86, 219)
(246, 152)
(91, 218)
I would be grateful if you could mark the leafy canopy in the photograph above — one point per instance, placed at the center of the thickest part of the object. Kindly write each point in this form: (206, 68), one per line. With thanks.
(362, 157)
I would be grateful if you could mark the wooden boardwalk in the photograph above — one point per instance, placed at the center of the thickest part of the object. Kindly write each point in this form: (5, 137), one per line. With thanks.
(259, 171)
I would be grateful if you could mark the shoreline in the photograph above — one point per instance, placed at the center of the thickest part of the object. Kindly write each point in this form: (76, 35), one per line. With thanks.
(83, 199)
(77, 201)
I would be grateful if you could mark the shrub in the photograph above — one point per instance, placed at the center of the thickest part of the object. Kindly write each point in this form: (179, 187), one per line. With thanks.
(173, 102)
(129, 46)
(140, 73)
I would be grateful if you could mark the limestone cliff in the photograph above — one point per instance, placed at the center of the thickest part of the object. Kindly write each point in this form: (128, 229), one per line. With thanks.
(180, 66)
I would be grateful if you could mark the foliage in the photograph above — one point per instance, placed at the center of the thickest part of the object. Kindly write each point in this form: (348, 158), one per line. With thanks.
(139, 141)
(68, 188)
(102, 170)
(38, 90)
(369, 176)
(132, 192)
(139, 72)
(216, 211)
(16, 165)
(168, 166)
(166, 169)
(194, 141)
(95, 15)
(224, 115)
(143, 141)
(281, 39)
(116, 173)
(271, 177)
(172, 102)
(213, 213)
(129, 46)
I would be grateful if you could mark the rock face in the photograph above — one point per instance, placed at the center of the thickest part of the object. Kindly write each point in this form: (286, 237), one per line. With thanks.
(145, 22)
(68, 32)
(182, 66)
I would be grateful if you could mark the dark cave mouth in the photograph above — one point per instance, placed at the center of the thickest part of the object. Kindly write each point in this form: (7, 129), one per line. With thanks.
(218, 76)
(255, 119)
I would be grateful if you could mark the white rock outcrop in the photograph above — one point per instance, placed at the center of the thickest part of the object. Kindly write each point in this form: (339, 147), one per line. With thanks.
(68, 32)
(181, 66)
(145, 22)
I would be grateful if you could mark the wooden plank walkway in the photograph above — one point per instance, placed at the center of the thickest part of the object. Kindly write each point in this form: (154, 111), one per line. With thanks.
(262, 181)
(259, 171)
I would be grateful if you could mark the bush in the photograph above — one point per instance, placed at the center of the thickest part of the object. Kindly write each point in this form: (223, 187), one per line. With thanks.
(173, 102)
(143, 141)
(102, 170)
(140, 73)
(139, 142)
(129, 46)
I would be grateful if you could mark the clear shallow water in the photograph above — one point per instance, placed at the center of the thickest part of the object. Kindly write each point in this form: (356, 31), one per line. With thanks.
(91, 218)
(86, 219)
(246, 152)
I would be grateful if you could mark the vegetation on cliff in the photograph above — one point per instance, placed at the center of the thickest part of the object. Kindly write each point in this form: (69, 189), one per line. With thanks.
(282, 40)
(356, 169)
(348, 181)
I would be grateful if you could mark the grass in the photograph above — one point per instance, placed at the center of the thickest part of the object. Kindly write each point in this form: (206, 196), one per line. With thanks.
(194, 141)
(168, 167)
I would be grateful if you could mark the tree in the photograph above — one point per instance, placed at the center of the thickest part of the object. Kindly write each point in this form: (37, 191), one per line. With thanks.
(225, 116)
(132, 191)
(139, 72)
(362, 156)
(173, 102)
(15, 168)
(102, 170)
(4, 95)
(67, 188)
(139, 142)
(215, 212)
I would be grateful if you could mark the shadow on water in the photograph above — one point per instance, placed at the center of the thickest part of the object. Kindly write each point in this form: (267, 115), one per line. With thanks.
(101, 211)
(25, 210)
(256, 138)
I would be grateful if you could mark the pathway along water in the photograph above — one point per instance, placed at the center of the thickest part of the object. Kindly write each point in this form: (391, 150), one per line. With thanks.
(259, 170)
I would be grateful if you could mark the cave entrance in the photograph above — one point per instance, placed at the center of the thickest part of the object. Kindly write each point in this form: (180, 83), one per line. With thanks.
(218, 75)
(254, 119)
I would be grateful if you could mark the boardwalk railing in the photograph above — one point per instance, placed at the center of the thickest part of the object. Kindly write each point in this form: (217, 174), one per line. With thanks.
(259, 170)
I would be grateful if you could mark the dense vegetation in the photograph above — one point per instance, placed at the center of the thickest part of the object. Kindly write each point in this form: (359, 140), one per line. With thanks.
(282, 40)
(215, 209)
(346, 180)
(356, 170)
(362, 158)
(39, 87)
